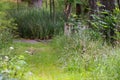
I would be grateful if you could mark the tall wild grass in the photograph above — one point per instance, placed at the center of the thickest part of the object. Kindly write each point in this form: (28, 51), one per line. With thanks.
(37, 23)
(87, 54)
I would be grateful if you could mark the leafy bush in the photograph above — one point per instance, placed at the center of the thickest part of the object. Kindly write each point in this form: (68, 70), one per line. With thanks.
(6, 5)
(5, 38)
(11, 66)
(7, 27)
(37, 23)
(107, 24)
(6, 23)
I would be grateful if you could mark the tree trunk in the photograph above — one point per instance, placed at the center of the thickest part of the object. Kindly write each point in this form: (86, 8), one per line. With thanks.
(107, 5)
(67, 10)
(31, 3)
(46, 4)
(52, 9)
(35, 3)
(38, 3)
(93, 6)
(78, 9)
(93, 9)
(118, 1)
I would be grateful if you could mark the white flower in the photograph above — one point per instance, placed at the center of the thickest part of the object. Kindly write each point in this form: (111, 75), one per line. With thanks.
(11, 48)
(30, 73)
(28, 52)
(18, 67)
(6, 71)
(6, 58)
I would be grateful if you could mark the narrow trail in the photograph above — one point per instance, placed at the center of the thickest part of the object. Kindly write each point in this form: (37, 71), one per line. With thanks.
(42, 63)
(32, 41)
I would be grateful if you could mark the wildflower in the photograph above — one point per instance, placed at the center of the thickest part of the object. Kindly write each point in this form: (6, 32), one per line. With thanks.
(11, 48)
(18, 67)
(5, 71)
(30, 73)
(6, 58)
(28, 52)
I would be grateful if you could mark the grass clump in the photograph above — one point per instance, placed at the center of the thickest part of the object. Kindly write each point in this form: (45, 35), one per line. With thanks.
(91, 58)
(37, 23)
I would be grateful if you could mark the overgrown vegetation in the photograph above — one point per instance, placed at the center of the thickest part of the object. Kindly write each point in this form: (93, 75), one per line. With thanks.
(37, 23)
(11, 66)
(85, 54)
(5, 39)
(91, 58)
(107, 24)
(7, 27)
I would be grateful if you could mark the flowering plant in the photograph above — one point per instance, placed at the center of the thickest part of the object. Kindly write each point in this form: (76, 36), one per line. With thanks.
(12, 66)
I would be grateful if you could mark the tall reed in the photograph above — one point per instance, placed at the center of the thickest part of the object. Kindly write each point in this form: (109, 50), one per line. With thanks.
(37, 23)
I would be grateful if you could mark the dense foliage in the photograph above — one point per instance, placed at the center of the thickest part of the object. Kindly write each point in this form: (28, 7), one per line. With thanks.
(107, 24)
(37, 23)
(93, 59)
(9, 63)
(7, 27)
(83, 54)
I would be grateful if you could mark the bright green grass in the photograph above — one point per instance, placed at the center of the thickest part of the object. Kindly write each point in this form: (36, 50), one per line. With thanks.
(43, 63)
